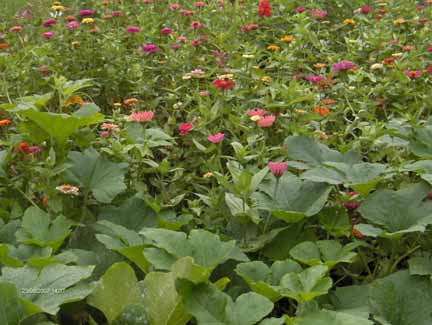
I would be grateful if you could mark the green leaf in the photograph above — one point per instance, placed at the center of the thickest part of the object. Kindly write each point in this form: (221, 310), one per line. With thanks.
(420, 265)
(327, 252)
(164, 305)
(94, 173)
(330, 317)
(401, 299)
(399, 211)
(134, 314)
(38, 229)
(46, 290)
(294, 199)
(306, 285)
(11, 311)
(351, 300)
(115, 290)
(8, 260)
(61, 126)
(205, 248)
(210, 306)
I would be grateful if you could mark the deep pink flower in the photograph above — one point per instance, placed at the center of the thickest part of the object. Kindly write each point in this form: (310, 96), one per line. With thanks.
(144, 116)
(365, 10)
(199, 4)
(351, 205)
(150, 48)
(166, 31)
(343, 65)
(266, 121)
(216, 138)
(314, 78)
(187, 12)
(34, 150)
(49, 22)
(300, 9)
(318, 14)
(133, 29)
(185, 128)
(429, 69)
(116, 13)
(277, 168)
(175, 47)
(86, 12)
(196, 43)
(48, 35)
(104, 134)
(413, 74)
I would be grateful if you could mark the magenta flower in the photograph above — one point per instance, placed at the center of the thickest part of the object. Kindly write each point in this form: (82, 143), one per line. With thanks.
(216, 138)
(166, 31)
(175, 47)
(86, 12)
(48, 35)
(196, 43)
(49, 22)
(133, 29)
(199, 4)
(342, 66)
(150, 48)
(185, 128)
(34, 150)
(365, 10)
(277, 168)
(300, 9)
(314, 79)
(117, 13)
(196, 24)
(174, 6)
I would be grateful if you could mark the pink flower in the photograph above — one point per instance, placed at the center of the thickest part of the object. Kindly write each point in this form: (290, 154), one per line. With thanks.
(300, 9)
(150, 48)
(133, 29)
(413, 74)
(365, 10)
(181, 39)
(314, 79)
(72, 25)
(166, 31)
(86, 12)
(216, 138)
(429, 69)
(16, 29)
(49, 22)
(256, 112)
(342, 66)
(266, 121)
(196, 25)
(117, 13)
(319, 14)
(34, 150)
(104, 134)
(140, 117)
(204, 93)
(220, 4)
(351, 206)
(196, 43)
(175, 47)
(197, 72)
(174, 6)
(277, 168)
(48, 35)
(185, 128)
(187, 12)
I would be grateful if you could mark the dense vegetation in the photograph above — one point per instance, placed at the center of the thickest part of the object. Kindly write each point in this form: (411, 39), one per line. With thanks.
(216, 162)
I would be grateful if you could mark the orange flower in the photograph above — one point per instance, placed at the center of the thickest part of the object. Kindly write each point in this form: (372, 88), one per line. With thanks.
(319, 65)
(5, 122)
(321, 110)
(130, 102)
(74, 100)
(408, 48)
(4, 46)
(388, 61)
(328, 101)
(273, 48)
(399, 21)
(287, 38)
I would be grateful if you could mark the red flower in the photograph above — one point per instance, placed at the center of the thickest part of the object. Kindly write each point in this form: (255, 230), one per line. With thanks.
(185, 128)
(264, 9)
(221, 84)
(356, 233)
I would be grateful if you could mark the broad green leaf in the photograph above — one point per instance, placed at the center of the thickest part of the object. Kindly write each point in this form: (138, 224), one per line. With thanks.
(327, 252)
(11, 311)
(401, 299)
(164, 305)
(205, 248)
(62, 126)
(6, 259)
(335, 221)
(420, 265)
(422, 168)
(421, 144)
(134, 314)
(399, 211)
(210, 306)
(185, 268)
(293, 199)
(330, 317)
(306, 285)
(46, 290)
(115, 290)
(351, 300)
(38, 229)
(92, 172)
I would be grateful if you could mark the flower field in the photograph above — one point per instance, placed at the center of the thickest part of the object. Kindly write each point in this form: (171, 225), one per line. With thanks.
(232, 162)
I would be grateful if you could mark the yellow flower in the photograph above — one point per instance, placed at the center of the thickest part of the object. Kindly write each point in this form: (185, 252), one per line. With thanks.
(248, 56)
(397, 55)
(226, 76)
(319, 65)
(58, 8)
(117, 105)
(349, 21)
(208, 175)
(382, 4)
(74, 100)
(187, 76)
(301, 111)
(287, 38)
(266, 79)
(88, 21)
(377, 66)
(273, 48)
(399, 21)
(75, 44)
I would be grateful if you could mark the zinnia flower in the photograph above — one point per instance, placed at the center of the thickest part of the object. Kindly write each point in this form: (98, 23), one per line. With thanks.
(150, 48)
(86, 12)
(133, 29)
(16, 29)
(68, 189)
(216, 138)
(222, 84)
(266, 121)
(196, 25)
(314, 79)
(343, 65)
(48, 35)
(72, 25)
(323, 111)
(365, 10)
(277, 168)
(300, 10)
(49, 22)
(5, 122)
(166, 31)
(185, 128)
(413, 74)
(141, 117)
(264, 8)
(319, 14)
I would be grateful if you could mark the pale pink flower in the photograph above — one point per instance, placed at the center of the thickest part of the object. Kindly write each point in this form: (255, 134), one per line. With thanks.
(68, 189)
(140, 117)
(174, 6)
(256, 112)
(277, 168)
(266, 121)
